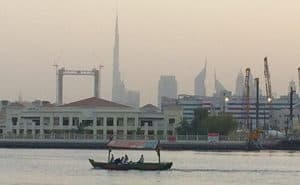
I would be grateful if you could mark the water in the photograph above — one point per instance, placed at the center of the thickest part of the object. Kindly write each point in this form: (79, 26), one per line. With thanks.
(71, 167)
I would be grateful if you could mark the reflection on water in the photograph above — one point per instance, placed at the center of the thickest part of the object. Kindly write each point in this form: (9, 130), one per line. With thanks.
(71, 167)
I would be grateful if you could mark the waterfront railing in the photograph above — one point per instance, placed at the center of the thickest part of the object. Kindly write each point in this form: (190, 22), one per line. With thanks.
(92, 137)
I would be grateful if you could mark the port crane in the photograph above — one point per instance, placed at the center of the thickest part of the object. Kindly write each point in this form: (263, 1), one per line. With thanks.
(269, 94)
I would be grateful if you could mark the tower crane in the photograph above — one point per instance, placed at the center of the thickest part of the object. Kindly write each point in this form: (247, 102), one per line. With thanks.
(267, 80)
(268, 88)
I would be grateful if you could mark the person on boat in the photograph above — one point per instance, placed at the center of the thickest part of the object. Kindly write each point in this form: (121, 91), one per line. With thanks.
(141, 160)
(126, 159)
(122, 159)
(117, 161)
(112, 159)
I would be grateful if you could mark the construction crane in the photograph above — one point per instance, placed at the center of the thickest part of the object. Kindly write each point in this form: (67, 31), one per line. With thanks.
(253, 135)
(268, 89)
(267, 80)
(247, 99)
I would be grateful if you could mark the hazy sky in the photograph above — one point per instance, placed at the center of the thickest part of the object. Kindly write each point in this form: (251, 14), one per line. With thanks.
(156, 37)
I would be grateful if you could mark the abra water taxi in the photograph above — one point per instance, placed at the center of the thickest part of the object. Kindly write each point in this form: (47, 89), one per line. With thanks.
(132, 165)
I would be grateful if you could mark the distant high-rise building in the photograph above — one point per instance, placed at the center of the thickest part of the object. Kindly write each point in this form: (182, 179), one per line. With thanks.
(200, 89)
(167, 87)
(165, 101)
(220, 90)
(133, 99)
(239, 84)
(118, 87)
(252, 86)
(119, 91)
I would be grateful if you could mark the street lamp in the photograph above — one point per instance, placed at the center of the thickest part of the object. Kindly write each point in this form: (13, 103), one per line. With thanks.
(290, 122)
(226, 99)
(269, 99)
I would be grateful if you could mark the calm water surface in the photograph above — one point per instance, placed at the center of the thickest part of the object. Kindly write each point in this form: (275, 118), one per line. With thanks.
(71, 167)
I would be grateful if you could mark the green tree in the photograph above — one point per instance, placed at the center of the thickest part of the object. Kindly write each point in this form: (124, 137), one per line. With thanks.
(184, 128)
(200, 117)
(223, 124)
(203, 124)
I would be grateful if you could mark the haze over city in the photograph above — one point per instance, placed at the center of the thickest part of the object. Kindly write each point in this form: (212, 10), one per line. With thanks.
(156, 37)
(160, 92)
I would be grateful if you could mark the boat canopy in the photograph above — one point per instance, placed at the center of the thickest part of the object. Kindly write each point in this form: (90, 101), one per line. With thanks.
(133, 144)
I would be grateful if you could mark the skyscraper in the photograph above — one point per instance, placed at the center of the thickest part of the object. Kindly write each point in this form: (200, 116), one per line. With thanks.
(239, 84)
(220, 90)
(118, 87)
(167, 87)
(119, 91)
(252, 86)
(199, 85)
(133, 99)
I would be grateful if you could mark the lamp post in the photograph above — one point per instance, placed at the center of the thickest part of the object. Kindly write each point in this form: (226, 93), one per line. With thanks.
(225, 100)
(265, 116)
(257, 102)
(269, 99)
(290, 122)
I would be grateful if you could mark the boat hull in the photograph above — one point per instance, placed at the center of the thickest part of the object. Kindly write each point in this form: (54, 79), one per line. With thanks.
(131, 166)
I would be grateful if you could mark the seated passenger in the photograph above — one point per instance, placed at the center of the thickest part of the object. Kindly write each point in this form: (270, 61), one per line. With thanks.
(141, 160)
(126, 159)
(122, 160)
(112, 159)
(118, 160)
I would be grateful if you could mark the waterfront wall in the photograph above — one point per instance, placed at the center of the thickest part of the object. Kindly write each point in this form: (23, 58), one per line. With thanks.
(75, 144)
(83, 141)
(191, 143)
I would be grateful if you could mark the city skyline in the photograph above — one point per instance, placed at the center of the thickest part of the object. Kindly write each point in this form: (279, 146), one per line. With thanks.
(147, 43)
(157, 92)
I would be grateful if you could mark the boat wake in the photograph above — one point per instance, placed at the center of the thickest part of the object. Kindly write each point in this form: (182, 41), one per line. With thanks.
(235, 170)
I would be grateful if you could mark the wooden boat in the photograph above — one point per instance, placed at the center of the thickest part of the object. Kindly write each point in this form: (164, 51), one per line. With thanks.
(131, 166)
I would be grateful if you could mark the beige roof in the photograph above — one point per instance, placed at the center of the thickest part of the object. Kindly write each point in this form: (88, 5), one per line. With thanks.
(149, 108)
(93, 102)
